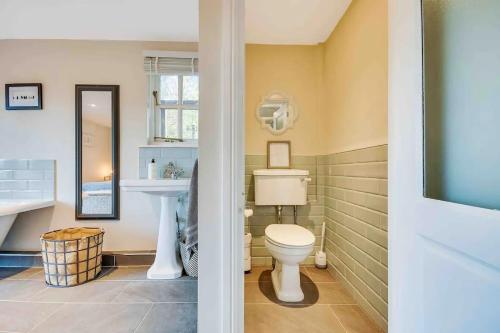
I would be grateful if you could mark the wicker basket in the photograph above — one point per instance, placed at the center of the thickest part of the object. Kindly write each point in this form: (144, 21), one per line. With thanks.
(72, 256)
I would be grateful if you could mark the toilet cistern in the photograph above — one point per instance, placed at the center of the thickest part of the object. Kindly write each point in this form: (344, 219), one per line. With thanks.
(281, 187)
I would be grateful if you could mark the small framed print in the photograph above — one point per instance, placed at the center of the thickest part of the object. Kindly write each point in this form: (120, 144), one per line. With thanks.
(279, 154)
(23, 96)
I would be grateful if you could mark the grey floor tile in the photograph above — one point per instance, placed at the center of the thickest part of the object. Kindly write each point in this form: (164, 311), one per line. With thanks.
(171, 318)
(124, 273)
(129, 273)
(19, 290)
(102, 318)
(159, 291)
(100, 292)
(23, 316)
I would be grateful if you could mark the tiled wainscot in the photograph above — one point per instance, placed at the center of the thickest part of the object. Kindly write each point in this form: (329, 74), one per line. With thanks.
(182, 157)
(23, 179)
(355, 187)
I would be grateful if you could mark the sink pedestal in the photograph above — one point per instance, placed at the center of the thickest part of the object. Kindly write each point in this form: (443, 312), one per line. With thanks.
(167, 264)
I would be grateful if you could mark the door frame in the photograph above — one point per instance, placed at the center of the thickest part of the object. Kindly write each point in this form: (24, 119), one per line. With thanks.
(221, 170)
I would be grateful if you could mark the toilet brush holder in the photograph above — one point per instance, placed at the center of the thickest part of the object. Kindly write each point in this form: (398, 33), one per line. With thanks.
(320, 260)
(320, 256)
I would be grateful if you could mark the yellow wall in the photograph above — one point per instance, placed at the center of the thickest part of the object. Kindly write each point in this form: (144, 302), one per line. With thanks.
(340, 86)
(295, 71)
(355, 78)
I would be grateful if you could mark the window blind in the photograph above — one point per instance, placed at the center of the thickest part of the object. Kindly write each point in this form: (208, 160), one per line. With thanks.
(170, 66)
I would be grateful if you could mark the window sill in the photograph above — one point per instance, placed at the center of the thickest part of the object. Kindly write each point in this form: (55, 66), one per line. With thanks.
(171, 145)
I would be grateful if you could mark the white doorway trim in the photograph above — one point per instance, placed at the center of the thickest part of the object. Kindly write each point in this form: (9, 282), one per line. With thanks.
(221, 168)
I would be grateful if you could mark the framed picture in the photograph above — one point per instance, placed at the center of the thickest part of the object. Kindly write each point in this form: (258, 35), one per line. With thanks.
(23, 96)
(279, 155)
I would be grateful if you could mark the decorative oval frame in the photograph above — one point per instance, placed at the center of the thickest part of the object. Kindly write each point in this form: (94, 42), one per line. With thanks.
(294, 113)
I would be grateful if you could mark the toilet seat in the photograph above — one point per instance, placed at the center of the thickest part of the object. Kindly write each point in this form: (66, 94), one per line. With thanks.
(289, 236)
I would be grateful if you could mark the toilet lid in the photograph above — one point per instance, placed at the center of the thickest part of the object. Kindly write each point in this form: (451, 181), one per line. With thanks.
(289, 235)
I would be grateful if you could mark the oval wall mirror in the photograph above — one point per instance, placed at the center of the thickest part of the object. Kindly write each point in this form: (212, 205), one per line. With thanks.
(277, 112)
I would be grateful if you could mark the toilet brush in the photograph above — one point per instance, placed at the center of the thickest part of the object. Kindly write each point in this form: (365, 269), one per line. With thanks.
(320, 257)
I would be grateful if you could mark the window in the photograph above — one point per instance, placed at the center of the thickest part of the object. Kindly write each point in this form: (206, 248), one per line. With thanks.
(177, 109)
(173, 97)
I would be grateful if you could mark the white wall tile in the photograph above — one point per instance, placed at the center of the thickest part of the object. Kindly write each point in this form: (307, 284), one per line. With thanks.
(27, 194)
(6, 174)
(41, 164)
(13, 185)
(42, 185)
(13, 164)
(182, 157)
(27, 179)
(29, 174)
(5, 195)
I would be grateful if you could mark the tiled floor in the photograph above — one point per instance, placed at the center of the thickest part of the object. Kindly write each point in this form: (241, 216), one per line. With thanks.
(327, 307)
(121, 300)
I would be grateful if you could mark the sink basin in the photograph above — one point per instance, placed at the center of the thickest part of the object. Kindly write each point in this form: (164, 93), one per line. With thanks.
(167, 264)
(167, 187)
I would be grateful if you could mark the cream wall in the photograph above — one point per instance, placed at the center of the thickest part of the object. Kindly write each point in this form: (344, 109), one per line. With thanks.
(296, 71)
(355, 78)
(50, 133)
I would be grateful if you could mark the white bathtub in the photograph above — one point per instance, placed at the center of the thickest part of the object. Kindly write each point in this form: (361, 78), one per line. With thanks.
(10, 208)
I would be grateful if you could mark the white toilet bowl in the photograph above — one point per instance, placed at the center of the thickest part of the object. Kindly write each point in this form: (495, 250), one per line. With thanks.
(289, 244)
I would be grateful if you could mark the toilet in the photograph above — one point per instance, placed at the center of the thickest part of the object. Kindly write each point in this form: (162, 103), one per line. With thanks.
(290, 245)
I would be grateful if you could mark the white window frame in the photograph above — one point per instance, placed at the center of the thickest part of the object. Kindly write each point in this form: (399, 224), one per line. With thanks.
(153, 85)
(179, 106)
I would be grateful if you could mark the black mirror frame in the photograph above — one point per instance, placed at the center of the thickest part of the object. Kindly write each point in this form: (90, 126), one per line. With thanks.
(115, 145)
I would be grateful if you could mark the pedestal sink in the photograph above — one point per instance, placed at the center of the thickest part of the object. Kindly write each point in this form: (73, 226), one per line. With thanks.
(167, 264)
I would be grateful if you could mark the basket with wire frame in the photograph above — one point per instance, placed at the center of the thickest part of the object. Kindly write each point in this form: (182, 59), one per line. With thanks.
(72, 256)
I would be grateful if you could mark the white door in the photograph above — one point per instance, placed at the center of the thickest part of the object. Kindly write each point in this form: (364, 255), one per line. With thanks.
(444, 258)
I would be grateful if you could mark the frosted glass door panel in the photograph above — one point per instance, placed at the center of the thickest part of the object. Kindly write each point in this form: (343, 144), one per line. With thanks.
(462, 101)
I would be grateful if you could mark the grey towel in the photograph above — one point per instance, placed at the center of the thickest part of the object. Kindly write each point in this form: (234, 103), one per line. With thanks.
(191, 230)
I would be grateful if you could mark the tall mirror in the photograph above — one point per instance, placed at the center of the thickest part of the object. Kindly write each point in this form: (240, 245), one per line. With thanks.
(97, 152)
